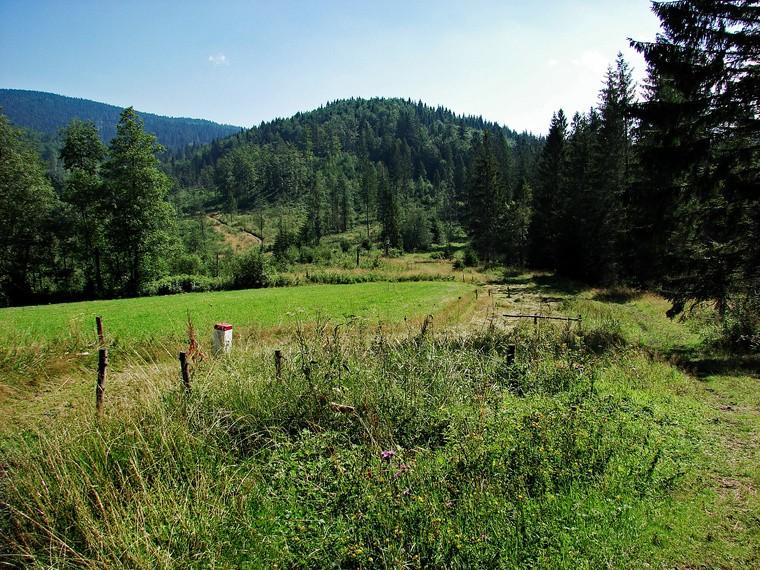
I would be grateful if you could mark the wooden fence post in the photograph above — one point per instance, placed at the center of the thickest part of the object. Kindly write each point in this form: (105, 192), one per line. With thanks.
(357, 256)
(99, 327)
(278, 363)
(101, 385)
(185, 372)
(511, 351)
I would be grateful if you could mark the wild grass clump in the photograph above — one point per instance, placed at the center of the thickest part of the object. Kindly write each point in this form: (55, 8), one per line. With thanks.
(424, 451)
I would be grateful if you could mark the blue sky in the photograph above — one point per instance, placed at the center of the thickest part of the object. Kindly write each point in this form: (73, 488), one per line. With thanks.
(242, 62)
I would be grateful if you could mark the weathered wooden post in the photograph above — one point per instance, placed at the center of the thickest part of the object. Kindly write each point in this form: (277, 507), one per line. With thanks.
(101, 385)
(535, 319)
(511, 352)
(99, 327)
(476, 294)
(185, 372)
(278, 363)
(357, 257)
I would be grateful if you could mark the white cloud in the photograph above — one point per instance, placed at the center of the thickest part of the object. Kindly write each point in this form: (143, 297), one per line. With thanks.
(218, 59)
(552, 63)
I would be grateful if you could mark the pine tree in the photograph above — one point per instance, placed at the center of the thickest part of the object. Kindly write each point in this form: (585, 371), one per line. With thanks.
(546, 208)
(487, 195)
(311, 231)
(369, 190)
(612, 156)
(702, 113)
(388, 213)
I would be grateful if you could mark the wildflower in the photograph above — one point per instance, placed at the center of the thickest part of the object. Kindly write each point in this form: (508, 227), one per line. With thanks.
(387, 454)
(403, 468)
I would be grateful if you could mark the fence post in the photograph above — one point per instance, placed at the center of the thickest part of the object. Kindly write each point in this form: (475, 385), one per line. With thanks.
(278, 363)
(184, 370)
(357, 256)
(101, 385)
(99, 327)
(511, 351)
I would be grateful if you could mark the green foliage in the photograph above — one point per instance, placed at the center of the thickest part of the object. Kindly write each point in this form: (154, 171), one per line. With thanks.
(434, 460)
(699, 129)
(26, 204)
(415, 230)
(470, 257)
(173, 284)
(141, 224)
(741, 323)
(82, 154)
(250, 270)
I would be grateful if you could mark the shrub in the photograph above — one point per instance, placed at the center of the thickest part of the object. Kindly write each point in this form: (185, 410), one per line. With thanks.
(188, 264)
(470, 258)
(741, 323)
(173, 284)
(250, 270)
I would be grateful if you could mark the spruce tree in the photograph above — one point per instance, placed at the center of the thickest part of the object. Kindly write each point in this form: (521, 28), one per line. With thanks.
(546, 207)
(703, 110)
(390, 235)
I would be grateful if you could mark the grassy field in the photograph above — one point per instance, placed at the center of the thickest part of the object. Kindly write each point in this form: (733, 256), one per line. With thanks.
(153, 319)
(625, 442)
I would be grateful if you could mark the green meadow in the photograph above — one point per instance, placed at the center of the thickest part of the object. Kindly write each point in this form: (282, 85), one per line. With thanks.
(155, 319)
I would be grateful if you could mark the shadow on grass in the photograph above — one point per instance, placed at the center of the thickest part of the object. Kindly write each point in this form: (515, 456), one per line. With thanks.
(701, 364)
(619, 295)
(545, 284)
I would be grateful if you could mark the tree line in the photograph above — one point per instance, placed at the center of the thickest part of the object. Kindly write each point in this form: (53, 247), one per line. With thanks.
(664, 192)
(108, 228)
(658, 192)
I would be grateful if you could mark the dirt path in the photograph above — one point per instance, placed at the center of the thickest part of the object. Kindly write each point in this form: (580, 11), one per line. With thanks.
(237, 238)
(526, 294)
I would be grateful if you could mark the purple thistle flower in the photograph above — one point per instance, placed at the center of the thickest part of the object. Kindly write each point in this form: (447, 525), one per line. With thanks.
(387, 455)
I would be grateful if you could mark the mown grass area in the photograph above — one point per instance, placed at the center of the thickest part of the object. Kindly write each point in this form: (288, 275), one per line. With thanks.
(593, 449)
(42, 341)
(155, 318)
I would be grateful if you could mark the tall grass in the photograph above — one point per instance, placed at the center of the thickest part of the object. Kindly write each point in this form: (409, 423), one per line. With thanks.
(425, 451)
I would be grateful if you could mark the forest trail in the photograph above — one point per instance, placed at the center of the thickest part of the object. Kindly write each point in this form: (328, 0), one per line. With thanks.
(237, 238)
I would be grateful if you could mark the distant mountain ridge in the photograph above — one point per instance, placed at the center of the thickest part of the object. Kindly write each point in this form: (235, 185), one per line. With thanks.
(47, 113)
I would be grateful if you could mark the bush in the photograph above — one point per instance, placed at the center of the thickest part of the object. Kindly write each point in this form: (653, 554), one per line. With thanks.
(470, 258)
(188, 264)
(741, 323)
(173, 284)
(251, 270)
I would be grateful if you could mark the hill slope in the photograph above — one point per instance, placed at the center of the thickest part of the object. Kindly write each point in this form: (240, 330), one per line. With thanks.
(341, 148)
(47, 113)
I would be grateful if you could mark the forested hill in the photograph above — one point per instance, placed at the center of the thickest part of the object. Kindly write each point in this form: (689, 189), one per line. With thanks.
(422, 151)
(48, 113)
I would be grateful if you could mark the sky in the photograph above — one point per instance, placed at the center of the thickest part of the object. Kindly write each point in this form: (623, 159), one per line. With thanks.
(243, 62)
